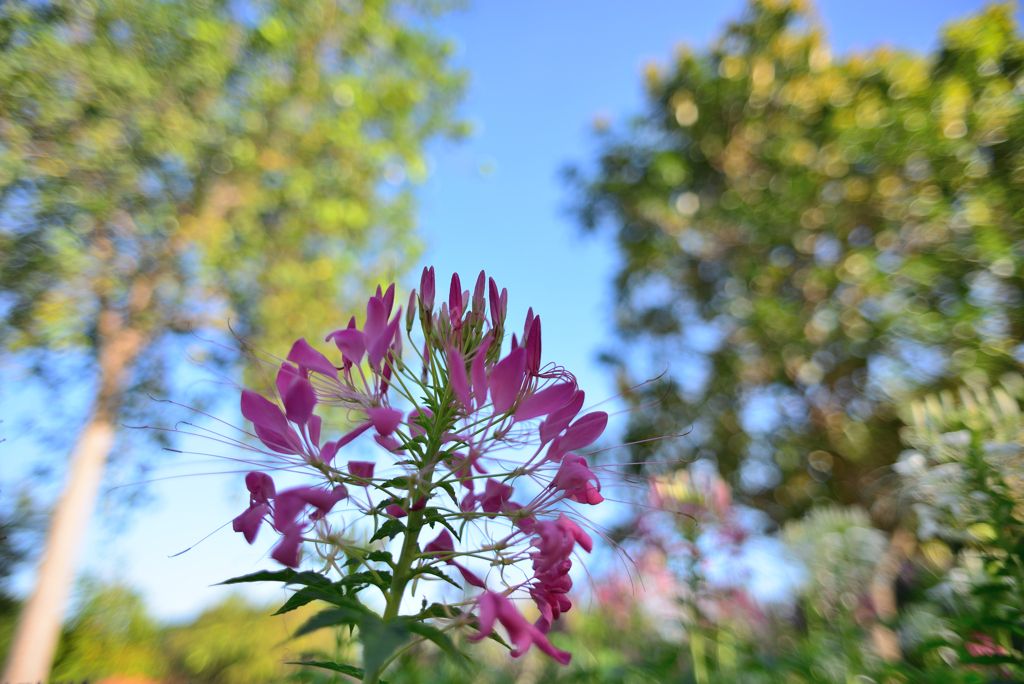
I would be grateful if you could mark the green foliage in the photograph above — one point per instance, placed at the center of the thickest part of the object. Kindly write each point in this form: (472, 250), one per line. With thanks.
(237, 643)
(112, 632)
(177, 165)
(962, 487)
(821, 238)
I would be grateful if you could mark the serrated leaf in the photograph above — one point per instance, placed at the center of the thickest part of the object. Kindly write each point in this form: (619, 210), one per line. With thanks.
(380, 639)
(381, 557)
(334, 593)
(434, 516)
(296, 600)
(331, 617)
(401, 482)
(390, 529)
(288, 576)
(447, 487)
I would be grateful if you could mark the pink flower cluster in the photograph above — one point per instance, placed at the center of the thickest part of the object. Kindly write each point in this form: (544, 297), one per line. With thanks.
(468, 412)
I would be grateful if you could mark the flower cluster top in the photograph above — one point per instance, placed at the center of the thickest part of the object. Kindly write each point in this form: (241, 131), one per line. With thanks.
(463, 429)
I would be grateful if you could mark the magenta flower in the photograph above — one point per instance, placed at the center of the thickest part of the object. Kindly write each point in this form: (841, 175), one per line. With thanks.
(361, 469)
(495, 607)
(470, 410)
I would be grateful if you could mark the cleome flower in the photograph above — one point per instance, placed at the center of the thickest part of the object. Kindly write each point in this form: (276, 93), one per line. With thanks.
(478, 440)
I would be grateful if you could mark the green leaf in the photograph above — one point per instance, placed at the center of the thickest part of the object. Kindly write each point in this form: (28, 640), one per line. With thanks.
(350, 670)
(390, 529)
(334, 593)
(434, 572)
(438, 610)
(381, 557)
(441, 639)
(288, 576)
(296, 600)
(400, 482)
(380, 639)
(447, 487)
(432, 515)
(343, 615)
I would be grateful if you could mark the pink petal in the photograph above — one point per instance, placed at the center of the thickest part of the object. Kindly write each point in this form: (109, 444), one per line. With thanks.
(262, 412)
(385, 419)
(507, 379)
(557, 654)
(559, 419)
(328, 452)
(299, 401)
(248, 523)
(547, 400)
(389, 300)
(352, 435)
(443, 543)
(457, 375)
(395, 511)
(304, 356)
(351, 343)
(287, 551)
(376, 319)
(584, 431)
(321, 499)
(287, 507)
(578, 535)
(378, 345)
(389, 443)
(488, 607)
(260, 486)
(286, 374)
(361, 469)
(468, 575)
(275, 441)
(315, 422)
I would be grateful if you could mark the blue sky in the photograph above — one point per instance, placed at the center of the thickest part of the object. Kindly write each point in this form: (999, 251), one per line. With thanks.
(540, 73)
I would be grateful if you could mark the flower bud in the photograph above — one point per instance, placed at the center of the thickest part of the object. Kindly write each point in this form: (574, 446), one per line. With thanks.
(427, 289)
(495, 302)
(455, 299)
(479, 300)
(410, 313)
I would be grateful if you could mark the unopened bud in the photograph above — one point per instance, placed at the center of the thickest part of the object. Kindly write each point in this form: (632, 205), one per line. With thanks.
(410, 313)
(479, 300)
(455, 298)
(427, 289)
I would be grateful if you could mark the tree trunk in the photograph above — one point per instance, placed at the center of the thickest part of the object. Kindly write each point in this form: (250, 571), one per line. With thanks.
(39, 625)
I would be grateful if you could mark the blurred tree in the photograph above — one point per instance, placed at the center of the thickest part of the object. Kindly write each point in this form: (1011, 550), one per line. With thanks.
(111, 634)
(164, 166)
(238, 643)
(807, 242)
(20, 525)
